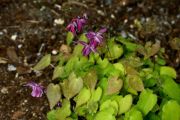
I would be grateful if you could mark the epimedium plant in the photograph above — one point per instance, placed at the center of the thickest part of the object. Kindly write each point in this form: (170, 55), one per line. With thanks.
(116, 80)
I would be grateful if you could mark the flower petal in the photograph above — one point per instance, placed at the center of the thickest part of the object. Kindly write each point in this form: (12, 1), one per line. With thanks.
(103, 30)
(37, 90)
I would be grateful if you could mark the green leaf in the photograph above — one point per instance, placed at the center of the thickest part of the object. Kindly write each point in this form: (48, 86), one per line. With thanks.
(53, 94)
(81, 110)
(171, 110)
(69, 38)
(169, 71)
(120, 67)
(92, 107)
(43, 63)
(65, 111)
(125, 104)
(96, 95)
(58, 72)
(83, 96)
(152, 116)
(90, 79)
(78, 48)
(114, 85)
(51, 115)
(133, 114)
(129, 45)
(147, 101)
(72, 86)
(135, 82)
(110, 104)
(102, 63)
(105, 115)
(103, 83)
(70, 64)
(115, 51)
(171, 88)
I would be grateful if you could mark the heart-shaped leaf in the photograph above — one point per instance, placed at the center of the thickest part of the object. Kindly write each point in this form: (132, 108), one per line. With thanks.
(147, 101)
(171, 110)
(53, 94)
(90, 79)
(133, 114)
(96, 95)
(58, 71)
(136, 83)
(69, 38)
(125, 104)
(83, 96)
(171, 88)
(110, 104)
(65, 111)
(105, 114)
(169, 71)
(72, 86)
(43, 63)
(114, 85)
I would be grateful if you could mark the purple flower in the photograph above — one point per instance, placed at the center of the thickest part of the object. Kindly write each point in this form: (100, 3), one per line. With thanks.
(59, 104)
(37, 90)
(77, 24)
(88, 48)
(96, 36)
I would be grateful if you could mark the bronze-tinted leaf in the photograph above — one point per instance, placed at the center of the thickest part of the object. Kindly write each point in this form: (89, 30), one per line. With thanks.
(154, 49)
(90, 79)
(72, 86)
(175, 43)
(58, 71)
(114, 85)
(135, 82)
(43, 63)
(53, 94)
(11, 53)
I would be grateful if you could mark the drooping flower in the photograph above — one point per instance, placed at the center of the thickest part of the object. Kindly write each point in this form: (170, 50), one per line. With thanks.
(76, 25)
(96, 36)
(37, 90)
(88, 48)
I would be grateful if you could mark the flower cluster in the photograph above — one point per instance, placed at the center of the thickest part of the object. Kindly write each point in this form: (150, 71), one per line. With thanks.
(76, 24)
(95, 38)
(37, 90)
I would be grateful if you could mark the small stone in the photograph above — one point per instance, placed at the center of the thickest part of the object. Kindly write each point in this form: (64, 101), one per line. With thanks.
(53, 37)
(1, 33)
(58, 6)
(25, 101)
(34, 114)
(20, 46)
(123, 34)
(131, 26)
(178, 16)
(59, 21)
(100, 12)
(54, 52)
(124, 3)
(13, 37)
(125, 21)
(11, 67)
(132, 36)
(42, 8)
(112, 16)
(173, 22)
(4, 90)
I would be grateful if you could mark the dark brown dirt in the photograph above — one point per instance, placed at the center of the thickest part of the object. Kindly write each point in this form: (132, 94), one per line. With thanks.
(26, 26)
